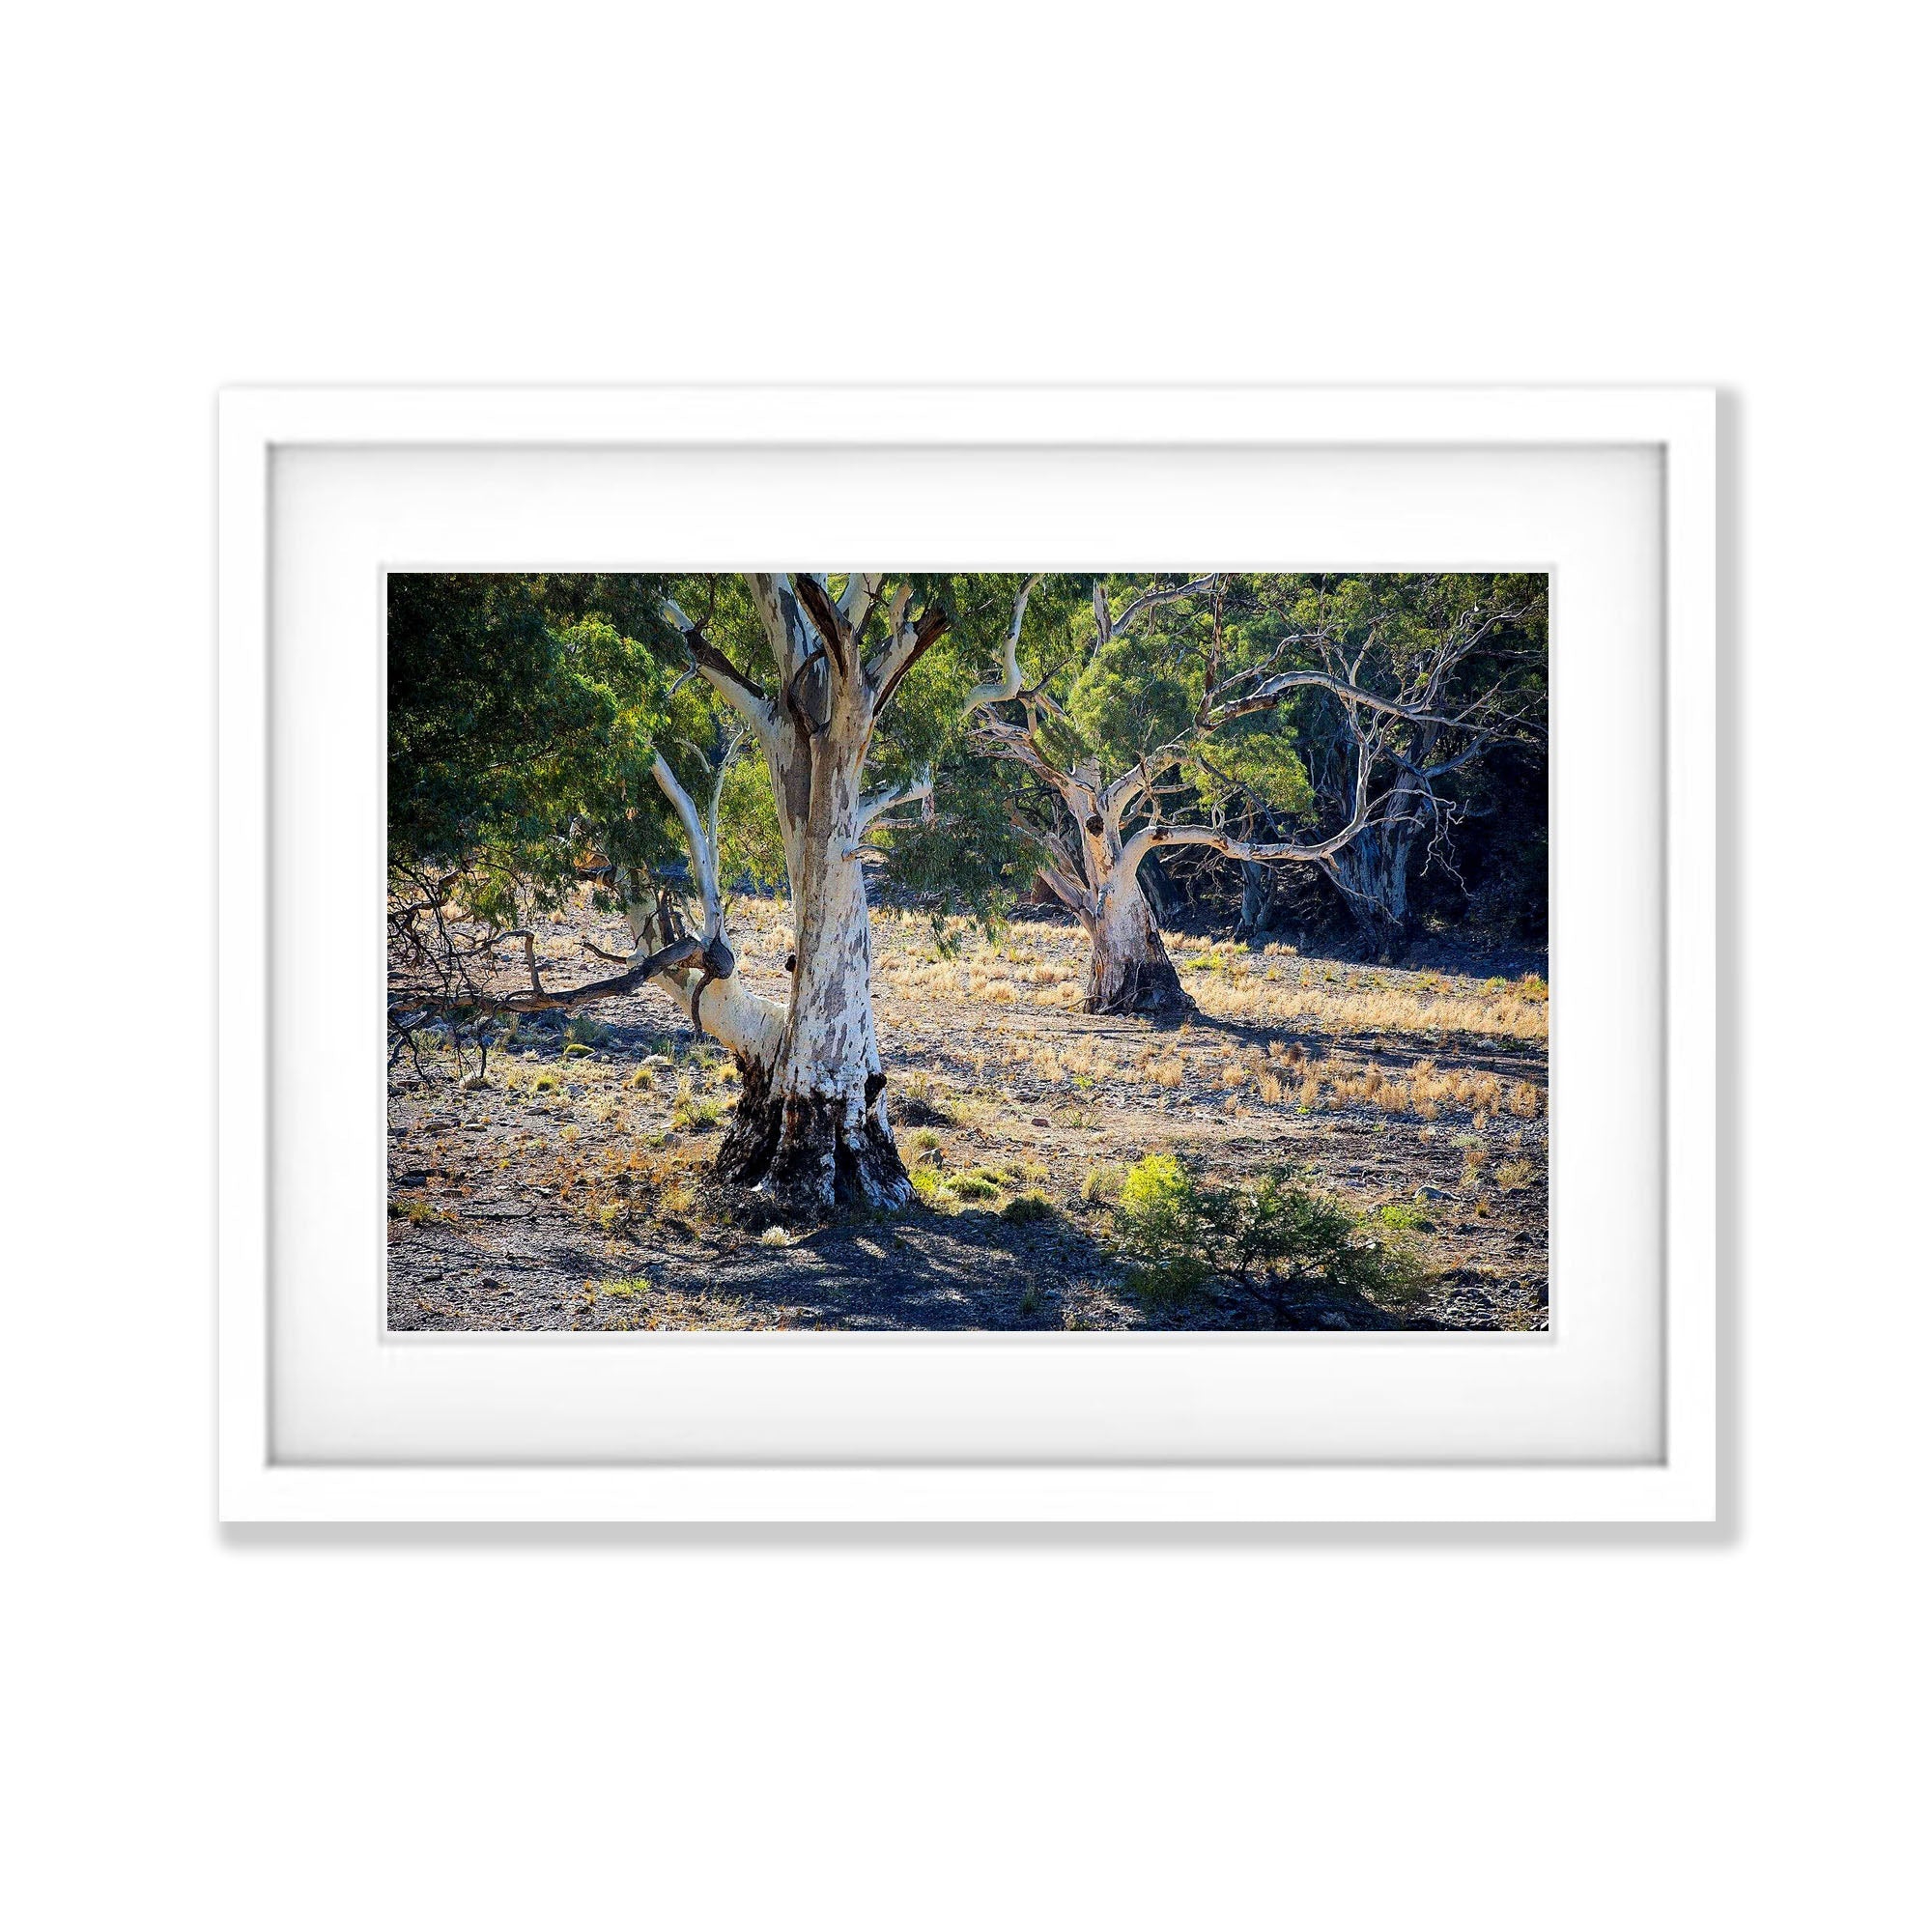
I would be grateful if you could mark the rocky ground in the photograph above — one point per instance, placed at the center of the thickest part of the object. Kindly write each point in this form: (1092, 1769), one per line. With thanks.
(572, 1190)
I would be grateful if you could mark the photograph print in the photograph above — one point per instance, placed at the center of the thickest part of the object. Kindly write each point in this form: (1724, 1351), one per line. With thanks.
(1067, 952)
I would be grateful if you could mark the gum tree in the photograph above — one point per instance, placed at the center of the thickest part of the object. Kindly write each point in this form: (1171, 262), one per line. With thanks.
(539, 737)
(810, 666)
(593, 774)
(1465, 659)
(1158, 727)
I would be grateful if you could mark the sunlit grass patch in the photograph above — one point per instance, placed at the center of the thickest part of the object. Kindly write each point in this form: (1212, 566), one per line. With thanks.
(418, 1210)
(693, 1112)
(1102, 1183)
(620, 1288)
(1330, 1005)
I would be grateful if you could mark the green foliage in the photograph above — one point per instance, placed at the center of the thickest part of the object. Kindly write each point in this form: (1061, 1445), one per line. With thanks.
(1032, 1205)
(623, 1286)
(750, 846)
(1259, 759)
(1158, 1212)
(693, 1112)
(1170, 1287)
(1403, 1218)
(1273, 1229)
(1131, 699)
(518, 707)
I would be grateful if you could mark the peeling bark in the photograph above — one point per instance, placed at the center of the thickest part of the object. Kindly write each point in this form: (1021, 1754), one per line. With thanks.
(1372, 874)
(813, 1132)
(812, 1129)
(1130, 971)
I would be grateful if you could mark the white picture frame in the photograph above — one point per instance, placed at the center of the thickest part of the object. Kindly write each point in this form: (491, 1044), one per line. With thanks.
(527, 1476)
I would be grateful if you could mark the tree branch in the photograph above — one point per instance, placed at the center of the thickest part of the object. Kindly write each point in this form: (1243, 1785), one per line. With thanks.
(743, 695)
(1009, 683)
(703, 852)
(686, 952)
(828, 618)
(875, 803)
(910, 640)
(862, 593)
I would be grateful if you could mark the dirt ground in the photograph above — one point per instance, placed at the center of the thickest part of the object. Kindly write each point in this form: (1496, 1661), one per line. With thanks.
(572, 1190)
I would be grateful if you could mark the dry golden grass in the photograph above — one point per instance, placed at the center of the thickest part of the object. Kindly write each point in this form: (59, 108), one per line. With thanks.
(1272, 987)
(1338, 1009)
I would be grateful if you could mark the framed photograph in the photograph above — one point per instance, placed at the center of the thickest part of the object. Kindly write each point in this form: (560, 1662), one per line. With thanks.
(968, 955)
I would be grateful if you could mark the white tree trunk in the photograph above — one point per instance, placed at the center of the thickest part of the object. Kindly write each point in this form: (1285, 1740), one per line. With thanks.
(811, 1128)
(1129, 971)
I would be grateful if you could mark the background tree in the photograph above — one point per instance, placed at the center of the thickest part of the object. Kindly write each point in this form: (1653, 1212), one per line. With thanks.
(1464, 659)
(540, 736)
(1156, 725)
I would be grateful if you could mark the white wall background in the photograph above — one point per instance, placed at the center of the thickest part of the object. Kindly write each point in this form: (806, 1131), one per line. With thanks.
(575, 1730)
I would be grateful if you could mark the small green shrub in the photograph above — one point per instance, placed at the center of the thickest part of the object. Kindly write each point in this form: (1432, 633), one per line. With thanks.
(585, 1034)
(1159, 1210)
(1025, 1207)
(416, 1211)
(975, 1186)
(929, 1187)
(624, 1288)
(543, 1083)
(1169, 1287)
(577, 1050)
(695, 1113)
(1274, 1230)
